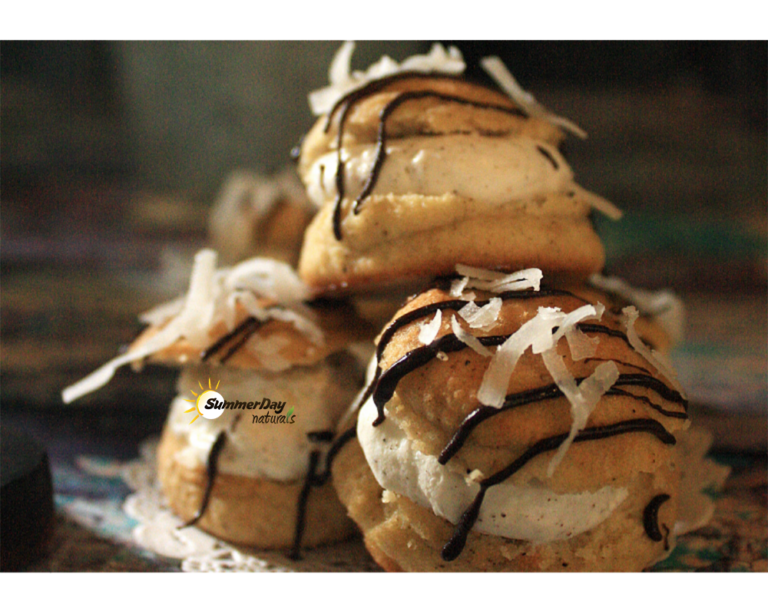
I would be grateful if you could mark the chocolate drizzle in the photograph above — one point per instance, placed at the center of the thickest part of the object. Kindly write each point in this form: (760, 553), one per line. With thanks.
(211, 471)
(344, 106)
(544, 393)
(238, 336)
(550, 158)
(301, 507)
(312, 479)
(418, 357)
(651, 517)
(455, 545)
(426, 310)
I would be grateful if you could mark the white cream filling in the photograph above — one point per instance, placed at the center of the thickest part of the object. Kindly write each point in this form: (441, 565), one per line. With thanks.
(530, 513)
(491, 170)
(318, 395)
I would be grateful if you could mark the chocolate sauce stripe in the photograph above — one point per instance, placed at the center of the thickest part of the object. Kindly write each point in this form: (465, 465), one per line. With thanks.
(333, 451)
(238, 335)
(639, 425)
(311, 480)
(376, 86)
(455, 304)
(484, 412)
(344, 106)
(386, 111)
(651, 517)
(244, 330)
(301, 507)
(455, 545)
(211, 471)
(255, 325)
(387, 381)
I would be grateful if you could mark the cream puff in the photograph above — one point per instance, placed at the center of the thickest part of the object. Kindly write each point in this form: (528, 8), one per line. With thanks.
(415, 168)
(513, 426)
(266, 374)
(259, 215)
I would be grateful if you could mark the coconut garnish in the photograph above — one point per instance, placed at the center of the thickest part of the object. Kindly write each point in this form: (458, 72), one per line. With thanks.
(539, 334)
(629, 316)
(343, 80)
(504, 79)
(664, 306)
(482, 318)
(458, 285)
(583, 397)
(213, 296)
(596, 201)
(428, 330)
(467, 339)
(497, 281)
(581, 345)
(493, 388)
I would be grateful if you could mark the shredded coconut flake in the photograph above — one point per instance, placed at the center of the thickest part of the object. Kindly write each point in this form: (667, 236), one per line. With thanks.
(499, 72)
(581, 345)
(482, 318)
(162, 313)
(629, 317)
(538, 334)
(212, 297)
(596, 201)
(469, 340)
(497, 282)
(664, 305)
(537, 330)
(583, 397)
(343, 80)
(428, 331)
(458, 285)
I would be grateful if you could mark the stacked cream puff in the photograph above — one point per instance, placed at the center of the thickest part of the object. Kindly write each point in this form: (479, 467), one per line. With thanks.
(259, 215)
(519, 413)
(250, 333)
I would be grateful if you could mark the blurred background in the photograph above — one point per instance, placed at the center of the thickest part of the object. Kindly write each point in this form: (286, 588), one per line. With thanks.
(114, 153)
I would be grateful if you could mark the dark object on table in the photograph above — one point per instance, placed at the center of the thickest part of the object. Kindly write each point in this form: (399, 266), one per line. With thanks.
(26, 501)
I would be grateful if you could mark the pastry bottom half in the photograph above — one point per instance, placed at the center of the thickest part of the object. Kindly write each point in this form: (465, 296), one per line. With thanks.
(403, 536)
(389, 245)
(249, 511)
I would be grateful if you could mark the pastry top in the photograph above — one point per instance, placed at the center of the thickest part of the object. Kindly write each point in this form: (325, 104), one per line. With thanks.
(477, 376)
(420, 105)
(416, 170)
(256, 315)
(425, 96)
(268, 337)
(283, 339)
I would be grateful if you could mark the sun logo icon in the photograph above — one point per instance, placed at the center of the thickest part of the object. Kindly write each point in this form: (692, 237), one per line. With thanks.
(202, 404)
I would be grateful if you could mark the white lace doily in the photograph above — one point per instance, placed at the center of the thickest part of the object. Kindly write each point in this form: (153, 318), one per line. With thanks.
(197, 551)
